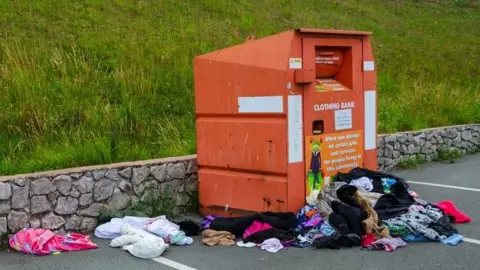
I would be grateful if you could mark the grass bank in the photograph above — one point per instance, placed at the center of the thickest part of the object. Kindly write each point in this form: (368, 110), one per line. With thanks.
(88, 82)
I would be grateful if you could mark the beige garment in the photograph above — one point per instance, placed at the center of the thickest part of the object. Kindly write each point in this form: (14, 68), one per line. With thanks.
(370, 225)
(371, 197)
(222, 238)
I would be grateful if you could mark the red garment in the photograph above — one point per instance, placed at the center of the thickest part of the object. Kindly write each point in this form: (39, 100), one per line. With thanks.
(450, 209)
(368, 239)
(257, 226)
(45, 242)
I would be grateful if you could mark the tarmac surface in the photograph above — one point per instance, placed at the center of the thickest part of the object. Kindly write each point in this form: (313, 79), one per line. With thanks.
(429, 183)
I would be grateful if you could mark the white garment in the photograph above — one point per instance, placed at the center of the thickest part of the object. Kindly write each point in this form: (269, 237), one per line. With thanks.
(146, 248)
(312, 197)
(139, 243)
(111, 229)
(271, 245)
(170, 232)
(247, 245)
(124, 240)
(363, 183)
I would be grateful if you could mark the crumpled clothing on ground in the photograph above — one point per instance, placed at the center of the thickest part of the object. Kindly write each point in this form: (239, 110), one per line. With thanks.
(444, 226)
(415, 238)
(246, 245)
(238, 225)
(207, 221)
(308, 217)
(271, 245)
(418, 222)
(347, 219)
(168, 231)
(363, 183)
(337, 241)
(371, 197)
(397, 230)
(387, 183)
(453, 240)
(321, 230)
(261, 236)
(112, 229)
(222, 238)
(45, 242)
(257, 226)
(450, 209)
(368, 239)
(387, 244)
(415, 207)
(370, 224)
(139, 243)
(325, 198)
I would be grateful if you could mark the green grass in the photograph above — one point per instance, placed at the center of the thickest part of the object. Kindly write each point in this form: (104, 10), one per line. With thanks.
(88, 82)
(413, 162)
(449, 155)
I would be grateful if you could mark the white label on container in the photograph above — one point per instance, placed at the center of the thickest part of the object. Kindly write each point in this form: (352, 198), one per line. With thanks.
(370, 120)
(295, 129)
(343, 119)
(295, 63)
(264, 104)
(368, 65)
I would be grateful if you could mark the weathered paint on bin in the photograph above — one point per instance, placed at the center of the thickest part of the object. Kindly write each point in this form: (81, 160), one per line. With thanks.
(242, 104)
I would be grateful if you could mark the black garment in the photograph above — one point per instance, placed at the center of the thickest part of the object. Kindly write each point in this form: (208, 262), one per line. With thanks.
(345, 194)
(357, 173)
(353, 216)
(400, 190)
(261, 236)
(237, 225)
(337, 241)
(390, 206)
(444, 226)
(339, 222)
(189, 227)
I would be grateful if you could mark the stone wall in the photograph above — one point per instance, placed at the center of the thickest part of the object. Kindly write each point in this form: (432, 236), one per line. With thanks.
(71, 200)
(426, 144)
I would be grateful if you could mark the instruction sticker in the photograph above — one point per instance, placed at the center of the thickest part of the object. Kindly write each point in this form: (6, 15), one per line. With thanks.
(295, 129)
(343, 119)
(295, 63)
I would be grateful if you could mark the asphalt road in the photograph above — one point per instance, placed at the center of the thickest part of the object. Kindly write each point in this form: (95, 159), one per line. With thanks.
(464, 173)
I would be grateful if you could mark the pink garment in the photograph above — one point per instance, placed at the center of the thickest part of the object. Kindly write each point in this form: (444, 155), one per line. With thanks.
(387, 244)
(257, 226)
(45, 242)
(450, 209)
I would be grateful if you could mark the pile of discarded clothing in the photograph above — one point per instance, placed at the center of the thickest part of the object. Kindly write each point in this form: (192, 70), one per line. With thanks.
(363, 208)
(379, 211)
(146, 237)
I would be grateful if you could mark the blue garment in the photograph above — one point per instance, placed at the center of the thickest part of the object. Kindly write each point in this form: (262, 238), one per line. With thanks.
(415, 238)
(326, 229)
(453, 240)
(387, 183)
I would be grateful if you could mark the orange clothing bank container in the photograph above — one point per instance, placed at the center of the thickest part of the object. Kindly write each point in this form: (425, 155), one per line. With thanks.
(279, 116)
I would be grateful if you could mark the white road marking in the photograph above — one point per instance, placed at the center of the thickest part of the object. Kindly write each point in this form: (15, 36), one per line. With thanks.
(173, 264)
(444, 186)
(470, 240)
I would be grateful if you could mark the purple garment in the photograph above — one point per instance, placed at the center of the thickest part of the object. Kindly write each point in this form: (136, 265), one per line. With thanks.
(207, 221)
(313, 221)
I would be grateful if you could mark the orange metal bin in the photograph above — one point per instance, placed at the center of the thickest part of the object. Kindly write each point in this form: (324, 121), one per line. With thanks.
(280, 116)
